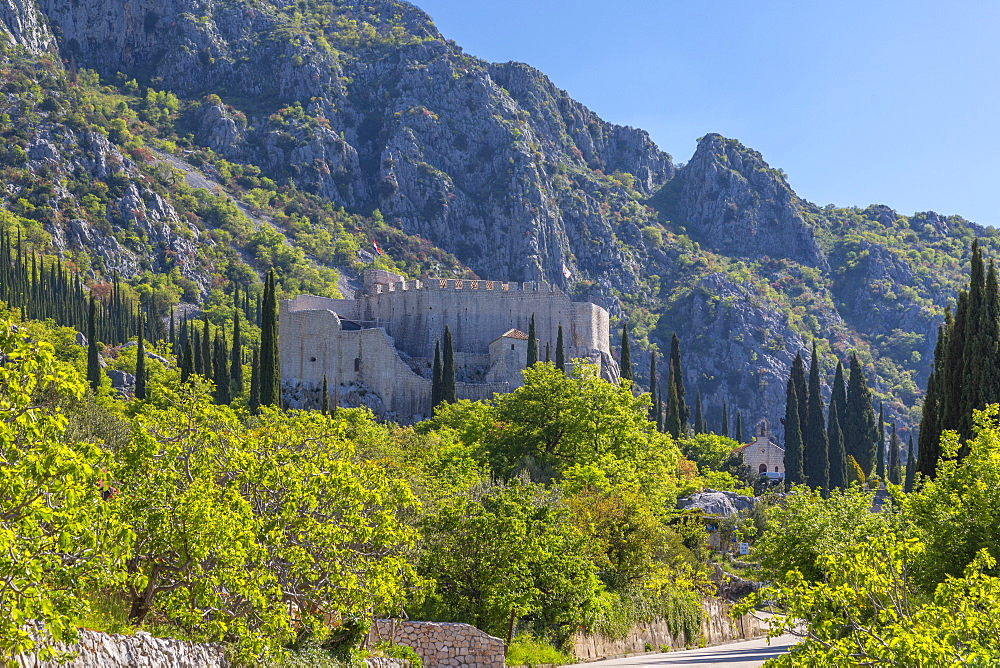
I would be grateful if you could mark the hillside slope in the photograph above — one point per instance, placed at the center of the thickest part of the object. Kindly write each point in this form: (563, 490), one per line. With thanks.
(342, 122)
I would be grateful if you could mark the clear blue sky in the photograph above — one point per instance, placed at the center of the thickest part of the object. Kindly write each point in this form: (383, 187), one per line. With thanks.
(892, 102)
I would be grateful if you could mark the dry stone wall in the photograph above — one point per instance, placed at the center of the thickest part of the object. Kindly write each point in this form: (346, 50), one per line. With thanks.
(717, 627)
(103, 650)
(442, 644)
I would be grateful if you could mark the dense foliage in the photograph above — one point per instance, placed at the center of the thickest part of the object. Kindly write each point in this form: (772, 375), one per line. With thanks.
(543, 511)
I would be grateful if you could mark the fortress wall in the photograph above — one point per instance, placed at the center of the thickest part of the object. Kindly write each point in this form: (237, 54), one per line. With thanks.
(346, 308)
(417, 317)
(480, 391)
(313, 344)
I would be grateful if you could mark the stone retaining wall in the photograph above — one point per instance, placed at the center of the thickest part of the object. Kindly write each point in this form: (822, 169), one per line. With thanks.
(440, 644)
(717, 627)
(103, 650)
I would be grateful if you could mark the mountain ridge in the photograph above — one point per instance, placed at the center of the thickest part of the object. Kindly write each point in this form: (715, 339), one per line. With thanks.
(459, 165)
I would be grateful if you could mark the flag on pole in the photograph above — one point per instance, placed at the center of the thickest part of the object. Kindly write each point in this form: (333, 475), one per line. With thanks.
(567, 274)
(377, 249)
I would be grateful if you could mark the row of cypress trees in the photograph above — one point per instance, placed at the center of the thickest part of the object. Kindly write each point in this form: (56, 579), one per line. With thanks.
(44, 288)
(533, 351)
(966, 371)
(826, 451)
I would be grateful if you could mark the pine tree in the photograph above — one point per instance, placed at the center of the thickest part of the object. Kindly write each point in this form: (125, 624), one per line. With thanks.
(858, 422)
(725, 419)
(93, 362)
(626, 348)
(911, 467)
(837, 456)
(675, 358)
(880, 451)
(699, 416)
(140, 365)
(560, 351)
(794, 473)
(437, 376)
(448, 393)
(236, 358)
(270, 372)
(816, 449)
(324, 402)
(532, 342)
(739, 427)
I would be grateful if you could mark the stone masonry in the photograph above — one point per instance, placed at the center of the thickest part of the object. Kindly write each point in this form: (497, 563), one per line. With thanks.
(377, 349)
(442, 644)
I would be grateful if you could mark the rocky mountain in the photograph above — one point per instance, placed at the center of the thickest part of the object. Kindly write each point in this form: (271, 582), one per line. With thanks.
(312, 127)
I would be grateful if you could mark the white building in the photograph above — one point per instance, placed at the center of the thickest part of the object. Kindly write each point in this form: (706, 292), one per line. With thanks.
(763, 456)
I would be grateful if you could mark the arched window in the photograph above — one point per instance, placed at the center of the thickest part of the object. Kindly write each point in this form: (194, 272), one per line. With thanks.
(762, 468)
(357, 364)
(775, 469)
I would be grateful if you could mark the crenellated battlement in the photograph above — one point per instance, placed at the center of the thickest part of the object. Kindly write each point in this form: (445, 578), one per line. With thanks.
(460, 284)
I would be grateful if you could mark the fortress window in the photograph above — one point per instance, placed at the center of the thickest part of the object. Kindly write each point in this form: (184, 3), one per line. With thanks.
(512, 346)
(312, 359)
(357, 364)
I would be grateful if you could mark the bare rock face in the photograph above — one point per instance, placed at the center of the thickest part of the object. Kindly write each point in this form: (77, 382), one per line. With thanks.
(733, 202)
(21, 22)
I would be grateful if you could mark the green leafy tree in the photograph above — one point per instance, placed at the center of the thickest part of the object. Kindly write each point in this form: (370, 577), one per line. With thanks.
(52, 519)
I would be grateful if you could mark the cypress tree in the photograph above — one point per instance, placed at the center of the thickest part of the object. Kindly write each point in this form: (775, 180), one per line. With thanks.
(894, 456)
(199, 365)
(816, 449)
(975, 344)
(173, 333)
(270, 372)
(739, 427)
(448, 392)
(794, 473)
(140, 365)
(675, 357)
(911, 467)
(671, 421)
(880, 452)
(254, 402)
(835, 437)
(626, 348)
(236, 358)
(548, 356)
(560, 351)
(437, 377)
(657, 416)
(652, 385)
(954, 369)
(187, 364)
(324, 404)
(725, 419)
(93, 363)
(930, 427)
(221, 369)
(798, 376)
(858, 422)
(207, 357)
(699, 417)
(532, 342)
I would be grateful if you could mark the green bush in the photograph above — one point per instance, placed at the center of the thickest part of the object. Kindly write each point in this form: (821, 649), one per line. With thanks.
(527, 650)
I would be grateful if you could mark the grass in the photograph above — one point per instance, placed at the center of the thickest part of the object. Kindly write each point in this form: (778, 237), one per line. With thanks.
(527, 650)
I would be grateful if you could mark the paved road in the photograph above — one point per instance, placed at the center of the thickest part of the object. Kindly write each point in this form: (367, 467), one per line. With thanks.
(748, 654)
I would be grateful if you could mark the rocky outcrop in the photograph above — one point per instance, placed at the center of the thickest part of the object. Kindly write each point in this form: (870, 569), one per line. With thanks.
(22, 24)
(713, 502)
(732, 201)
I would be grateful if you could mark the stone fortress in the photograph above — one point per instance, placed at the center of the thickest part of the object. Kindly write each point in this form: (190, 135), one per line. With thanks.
(377, 349)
